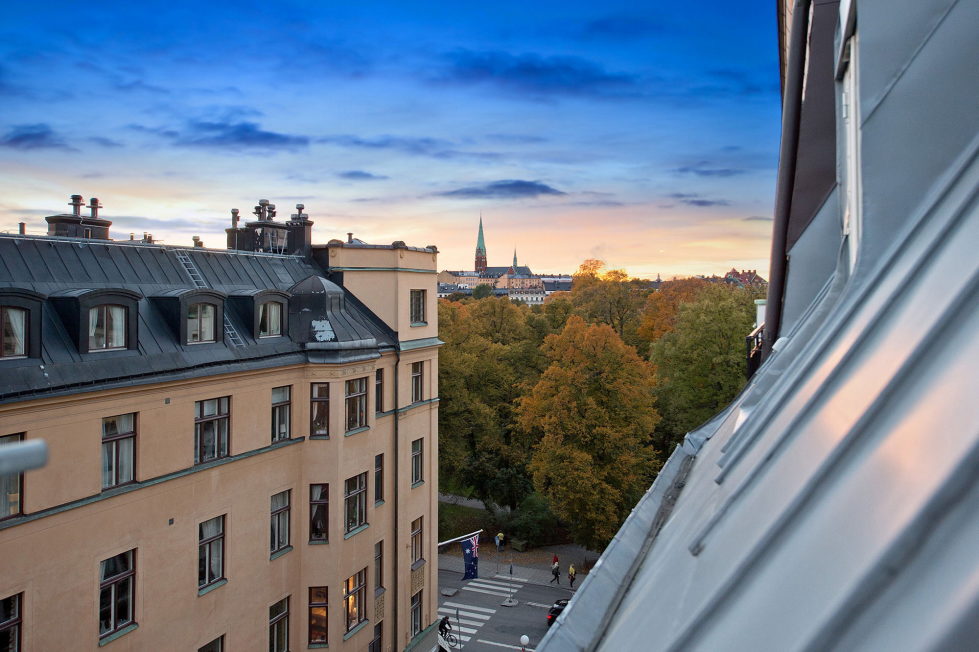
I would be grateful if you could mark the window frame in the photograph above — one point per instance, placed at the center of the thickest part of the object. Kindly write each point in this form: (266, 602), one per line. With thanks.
(280, 322)
(278, 516)
(417, 299)
(114, 442)
(277, 408)
(324, 500)
(415, 609)
(199, 319)
(357, 497)
(15, 438)
(103, 310)
(315, 401)
(74, 313)
(205, 545)
(417, 540)
(31, 302)
(323, 605)
(418, 461)
(355, 403)
(379, 478)
(355, 599)
(25, 330)
(378, 391)
(200, 421)
(110, 584)
(207, 647)
(274, 624)
(418, 381)
(15, 622)
(378, 566)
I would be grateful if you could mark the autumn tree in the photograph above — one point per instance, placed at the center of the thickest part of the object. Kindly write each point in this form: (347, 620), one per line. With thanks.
(590, 417)
(659, 313)
(609, 297)
(700, 363)
(482, 291)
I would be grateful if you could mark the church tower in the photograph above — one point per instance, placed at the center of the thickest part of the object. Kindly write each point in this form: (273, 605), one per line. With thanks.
(480, 249)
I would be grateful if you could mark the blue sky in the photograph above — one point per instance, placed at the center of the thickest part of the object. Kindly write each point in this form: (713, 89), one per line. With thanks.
(645, 135)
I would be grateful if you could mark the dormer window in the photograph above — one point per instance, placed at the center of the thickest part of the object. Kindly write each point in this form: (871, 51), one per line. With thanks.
(200, 322)
(270, 319)
(107, 327)
(14, 332)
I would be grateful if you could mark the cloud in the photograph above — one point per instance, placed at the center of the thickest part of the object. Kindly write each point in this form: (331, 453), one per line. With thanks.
(703, 169)
(504, 189)
(757, 218)
(516, 139)
(226, 134)
(693, 199)
(360, 175)
(532, 73)
(104, 142)
(34, 136)
(420, 146)
(140, 223)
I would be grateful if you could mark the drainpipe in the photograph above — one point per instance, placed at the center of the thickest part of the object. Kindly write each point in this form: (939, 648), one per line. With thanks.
(788, 151)
(396, 548)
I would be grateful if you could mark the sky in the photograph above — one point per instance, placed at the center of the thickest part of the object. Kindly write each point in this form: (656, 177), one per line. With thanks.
(642, 134)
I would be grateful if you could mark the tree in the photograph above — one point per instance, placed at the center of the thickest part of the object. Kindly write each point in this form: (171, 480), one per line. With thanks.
(590, 417)
(659, 314)
(701, 362)
(609, 298)
(482, 291)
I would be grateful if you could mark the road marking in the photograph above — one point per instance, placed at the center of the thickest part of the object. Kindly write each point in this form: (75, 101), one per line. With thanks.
(463, 621)
(500, 594)
(445, 611)
(538, 604)
(512, 647)
(466, 606)
(497, 583)
(511, 577)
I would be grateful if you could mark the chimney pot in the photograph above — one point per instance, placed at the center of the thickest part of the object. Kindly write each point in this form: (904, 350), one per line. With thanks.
(132, 236)
(350, 237)
(94, 206)
(76, 205)
(22, 228)
(234, 218)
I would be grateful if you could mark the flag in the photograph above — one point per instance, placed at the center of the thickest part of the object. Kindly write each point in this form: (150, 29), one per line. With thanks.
(470, 557)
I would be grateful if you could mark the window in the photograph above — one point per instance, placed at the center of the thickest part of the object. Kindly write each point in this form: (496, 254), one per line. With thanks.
(416, 613)
(379, 478)
(355, 501)
(14, 332)
(281, 412)
(117, 579)
(379, 565)
(10, 623)
(418, 306)
(319, 410)
(319, 512)
(107, 327)
(379, 390)
(118, 450)
(279, 626)
(270, 319)
(416, 461)
(217, 645)
(417, 553)
(200, 322)
(211, 429)
(417, 384)
(11, 485)
(318, 612)
(355, 599)
(376, 644)
(210, 551)
(280, 521)
(356, 403)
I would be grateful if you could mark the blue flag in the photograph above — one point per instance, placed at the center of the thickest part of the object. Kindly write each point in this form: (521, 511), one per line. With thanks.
(470, 557)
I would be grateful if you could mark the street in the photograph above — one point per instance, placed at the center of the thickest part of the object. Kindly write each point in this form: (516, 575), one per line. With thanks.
(480, 621)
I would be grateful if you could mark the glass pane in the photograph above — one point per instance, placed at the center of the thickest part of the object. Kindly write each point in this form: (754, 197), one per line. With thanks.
(118, 424)
(321, 417)
(317, 625)
(223, 404)
(208, 408)
(222, 434)
(8, 639)
(318, 491)
(14, 331)
(193, 323)
(280, 500)
(280, 394)
(317, 522)
(282, 635)
(202, 565)
(108, 464)
(116, 565)
(9, 494)
(124, 603)
(207, 322)
(211, 528)
(317, 594)
(217, 558)
(125, 459)
(280, 422)
(9, 608)
(96, 328)
(321, 390)
(207, 440)
(105, 610)
(115, 326)
(278, 608)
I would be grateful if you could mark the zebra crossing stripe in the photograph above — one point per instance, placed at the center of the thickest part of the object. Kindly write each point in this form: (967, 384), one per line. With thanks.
(462, 621)
(469, 607)
(500, 594)
(463, 614)
(495, 584)
(500, 576)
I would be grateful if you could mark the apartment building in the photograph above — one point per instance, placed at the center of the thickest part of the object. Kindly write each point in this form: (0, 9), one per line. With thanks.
(242, 443)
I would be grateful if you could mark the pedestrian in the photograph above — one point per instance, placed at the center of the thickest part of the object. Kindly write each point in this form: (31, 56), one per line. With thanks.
(571, 575)
(499, 542)
(554, 559)
(556, 572)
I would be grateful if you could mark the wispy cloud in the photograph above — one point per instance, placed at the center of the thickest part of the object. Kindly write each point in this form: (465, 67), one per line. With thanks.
(102, 141)
(693, 199)
(360, 175)
(34, 136)
(757, 218)
(705, 169)
(620, 27)
(226, 135)
(417, 146)
(504, 189)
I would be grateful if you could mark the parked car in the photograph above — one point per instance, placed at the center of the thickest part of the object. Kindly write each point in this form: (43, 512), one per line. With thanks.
(556, 610)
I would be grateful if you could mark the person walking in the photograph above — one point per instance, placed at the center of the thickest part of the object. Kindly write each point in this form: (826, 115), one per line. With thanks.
(571, 575)
(556, 572)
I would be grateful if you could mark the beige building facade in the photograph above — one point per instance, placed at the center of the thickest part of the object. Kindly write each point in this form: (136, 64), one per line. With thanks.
(267, 495)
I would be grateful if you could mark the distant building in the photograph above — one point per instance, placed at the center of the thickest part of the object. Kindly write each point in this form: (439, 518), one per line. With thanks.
(242, 443)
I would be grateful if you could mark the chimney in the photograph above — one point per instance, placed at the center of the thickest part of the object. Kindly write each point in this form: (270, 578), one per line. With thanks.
(234, 218)
(350, 238)
(76, 205)
(197, 241)
(22, 228)
(132, 236)
(94, 205)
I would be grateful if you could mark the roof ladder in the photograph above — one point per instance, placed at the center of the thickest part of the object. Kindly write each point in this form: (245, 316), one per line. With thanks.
(230, 334)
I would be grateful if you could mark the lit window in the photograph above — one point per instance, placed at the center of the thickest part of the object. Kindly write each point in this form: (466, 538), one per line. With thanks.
(200, 322)
(379, 390)
(379, 477)
(117, 580)
(11, 485)
(107, 327)
(211, 429)
(118, 450)
(355, 501)
(318, 613)
(270, 319)
(210, 551)
(279, 626)
(418, 306)
(10, 621)
(417, 554)
(280, 521)
(14, 332)
(281, 410)
(319, 512)
(355, 599)
(416, 461)
(416, 613)
(356, 399)
(417, 382)
(319, 410)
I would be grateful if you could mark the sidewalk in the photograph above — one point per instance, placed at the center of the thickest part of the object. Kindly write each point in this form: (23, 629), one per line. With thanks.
(533, 566)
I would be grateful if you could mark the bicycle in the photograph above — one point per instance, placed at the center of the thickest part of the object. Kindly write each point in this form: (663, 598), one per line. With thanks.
(450, 639)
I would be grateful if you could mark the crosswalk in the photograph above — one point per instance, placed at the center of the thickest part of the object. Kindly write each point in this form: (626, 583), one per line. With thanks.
(466, 619)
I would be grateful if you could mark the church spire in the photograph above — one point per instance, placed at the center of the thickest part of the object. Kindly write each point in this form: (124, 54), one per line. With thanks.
(514, 259)
(480, 248)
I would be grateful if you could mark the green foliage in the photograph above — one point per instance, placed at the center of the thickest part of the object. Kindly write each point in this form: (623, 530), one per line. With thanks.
(701, 362)
(611, 298)
(456, 520)
(533, 521)
(482, 291)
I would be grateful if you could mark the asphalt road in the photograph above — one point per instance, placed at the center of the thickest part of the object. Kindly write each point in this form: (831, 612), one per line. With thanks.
(483, 624)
